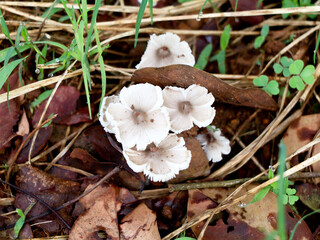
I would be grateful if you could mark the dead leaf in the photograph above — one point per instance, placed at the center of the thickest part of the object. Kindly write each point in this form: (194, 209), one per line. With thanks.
(9, 116)
(301, 132)
(80, 116)
(170, 210)
(245, 5)
(101, 205)
(63, 103)
(52, 190)
(23, 127)
(140, 224)
(309, 194)
(41, 140)
(251, 222)
(184, 76)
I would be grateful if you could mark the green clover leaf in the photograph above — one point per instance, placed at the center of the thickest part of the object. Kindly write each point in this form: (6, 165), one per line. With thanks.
(261, 81)
(285, 61)
(296, 67)
(272, 88)
(291, 191)
(293, 199)
(277, 68)
(285, 199)
(307, 74)
(296, 82)
(283, 66)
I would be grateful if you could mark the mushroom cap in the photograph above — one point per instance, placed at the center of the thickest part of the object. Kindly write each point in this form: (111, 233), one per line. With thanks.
(161, 162)
(215, 148)
(188, 106)
(105, 122)
(166, 49)
(139, 119)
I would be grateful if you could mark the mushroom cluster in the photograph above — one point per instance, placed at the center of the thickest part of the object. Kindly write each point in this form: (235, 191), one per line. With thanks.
(146, 119)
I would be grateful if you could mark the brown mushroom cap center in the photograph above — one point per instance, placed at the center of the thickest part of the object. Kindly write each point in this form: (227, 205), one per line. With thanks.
(139, 117)
(163, 52)
(185, 107)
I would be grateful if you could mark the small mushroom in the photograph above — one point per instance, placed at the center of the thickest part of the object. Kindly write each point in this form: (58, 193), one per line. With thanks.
(188, 106)
(214, 144)
(160, 162)
(164, 50)
(106, 124)
(139, 119)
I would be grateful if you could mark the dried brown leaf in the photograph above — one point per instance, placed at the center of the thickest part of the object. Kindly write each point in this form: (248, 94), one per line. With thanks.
(139, 224)
(184, 76)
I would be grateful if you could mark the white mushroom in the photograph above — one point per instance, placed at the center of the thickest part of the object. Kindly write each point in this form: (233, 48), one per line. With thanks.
(160, 162)
(188, 106)
(164, 50)
(106, 124)
(139, 119)
(214, 144)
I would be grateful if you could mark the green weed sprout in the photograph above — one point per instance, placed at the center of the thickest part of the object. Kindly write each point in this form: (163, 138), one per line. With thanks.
(204, 57)
(271, 87)
(301, 74)
(221, 56)
(283, 67)
(260, 39)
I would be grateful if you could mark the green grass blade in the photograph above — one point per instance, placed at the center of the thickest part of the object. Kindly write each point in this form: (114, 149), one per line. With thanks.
(300, 221)
(204, 57)
(100, 59)
(139, 19)
(56, 44)
(281, 210)
(6, 70)
(93, 24)
(316, 49)
(151, 10)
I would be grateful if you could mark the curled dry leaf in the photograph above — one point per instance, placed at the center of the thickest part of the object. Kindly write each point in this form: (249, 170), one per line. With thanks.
(52, 190)
(140, 224)
(251, 222)
(184, 76)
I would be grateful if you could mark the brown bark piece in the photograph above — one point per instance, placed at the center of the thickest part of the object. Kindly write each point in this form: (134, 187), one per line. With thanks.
(184, 76)
(140, 224)
(102, 206)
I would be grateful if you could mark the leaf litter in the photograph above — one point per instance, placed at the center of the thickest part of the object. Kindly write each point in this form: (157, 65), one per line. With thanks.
(118, 209)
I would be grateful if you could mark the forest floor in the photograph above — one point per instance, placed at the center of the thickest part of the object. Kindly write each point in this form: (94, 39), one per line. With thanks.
(64, 177)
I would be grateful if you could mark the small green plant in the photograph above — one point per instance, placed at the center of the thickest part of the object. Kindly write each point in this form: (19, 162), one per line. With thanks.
(19, 224)
(183, 237)
(260, 39)
(220, 57)
(204, 57)
(297, 3)
(301, 74)
(271, 87)
(283, 67)
(43, 96)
